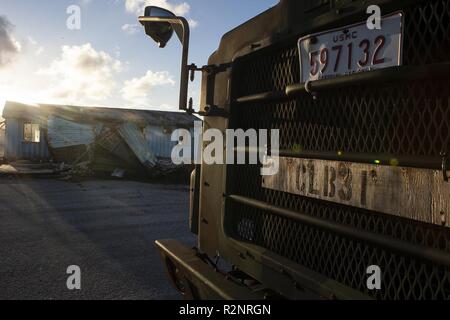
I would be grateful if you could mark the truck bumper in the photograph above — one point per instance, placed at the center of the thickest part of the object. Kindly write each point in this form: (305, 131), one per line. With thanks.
(196, 279)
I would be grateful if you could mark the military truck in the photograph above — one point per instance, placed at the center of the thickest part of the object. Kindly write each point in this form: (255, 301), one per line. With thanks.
(360, 94)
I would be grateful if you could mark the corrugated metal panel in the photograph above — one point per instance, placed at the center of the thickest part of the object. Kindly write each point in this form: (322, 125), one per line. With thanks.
(2, 142)
(32, 151)
(135, 139)
(12, 139)
(159, 141)
(111, 141)
(17, 148)
(63, 133)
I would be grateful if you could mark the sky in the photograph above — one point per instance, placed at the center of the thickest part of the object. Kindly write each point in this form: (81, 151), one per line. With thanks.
(107, 61)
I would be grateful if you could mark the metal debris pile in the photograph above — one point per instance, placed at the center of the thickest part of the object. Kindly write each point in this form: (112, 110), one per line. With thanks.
(118, 150)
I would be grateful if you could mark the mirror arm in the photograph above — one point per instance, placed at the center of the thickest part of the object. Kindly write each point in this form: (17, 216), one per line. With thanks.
(184, 82)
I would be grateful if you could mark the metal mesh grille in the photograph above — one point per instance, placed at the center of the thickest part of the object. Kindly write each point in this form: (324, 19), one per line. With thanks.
(427, 33)
(426, 41)
(403, 119)
(342, 259)
(339, 258)
(273, 71)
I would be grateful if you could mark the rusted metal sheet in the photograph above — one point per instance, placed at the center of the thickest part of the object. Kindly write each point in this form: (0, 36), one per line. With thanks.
(419, 194)
(135, 139)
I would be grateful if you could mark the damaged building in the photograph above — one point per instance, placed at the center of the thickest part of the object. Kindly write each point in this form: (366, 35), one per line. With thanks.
(2, 139)
(101, 140)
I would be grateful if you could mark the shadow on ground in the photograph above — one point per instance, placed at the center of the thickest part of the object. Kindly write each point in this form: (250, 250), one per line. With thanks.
(106, 227)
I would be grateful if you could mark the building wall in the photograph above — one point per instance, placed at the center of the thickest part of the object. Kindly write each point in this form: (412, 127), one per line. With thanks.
(2, 142)
(159, 140)
(18, 149)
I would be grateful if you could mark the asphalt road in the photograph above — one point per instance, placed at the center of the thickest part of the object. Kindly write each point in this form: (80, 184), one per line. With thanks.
(107, 228)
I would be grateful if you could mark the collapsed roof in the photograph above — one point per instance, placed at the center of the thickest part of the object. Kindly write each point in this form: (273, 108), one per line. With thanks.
(99, 114)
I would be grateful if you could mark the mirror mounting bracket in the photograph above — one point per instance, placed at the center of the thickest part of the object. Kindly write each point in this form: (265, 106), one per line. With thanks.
(210, 111)
(211, 71)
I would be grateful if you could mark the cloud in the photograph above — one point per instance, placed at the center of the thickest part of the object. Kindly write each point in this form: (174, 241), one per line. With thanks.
(82, 74)
(32, 41)
(137, 6)
(193, 23)
(131, 28)
(137, 90)
(38, 49)
(9, 46)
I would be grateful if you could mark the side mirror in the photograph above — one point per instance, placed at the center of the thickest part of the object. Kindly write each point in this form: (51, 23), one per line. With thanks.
(160, 25)
(161, 32)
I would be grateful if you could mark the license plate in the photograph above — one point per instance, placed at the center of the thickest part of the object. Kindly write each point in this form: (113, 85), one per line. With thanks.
(418, 194)
(352, 49)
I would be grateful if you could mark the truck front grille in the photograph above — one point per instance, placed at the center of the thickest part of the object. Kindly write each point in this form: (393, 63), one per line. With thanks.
(404, 119)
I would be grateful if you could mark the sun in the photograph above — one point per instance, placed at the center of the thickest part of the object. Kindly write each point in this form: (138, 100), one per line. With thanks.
(10, 93)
